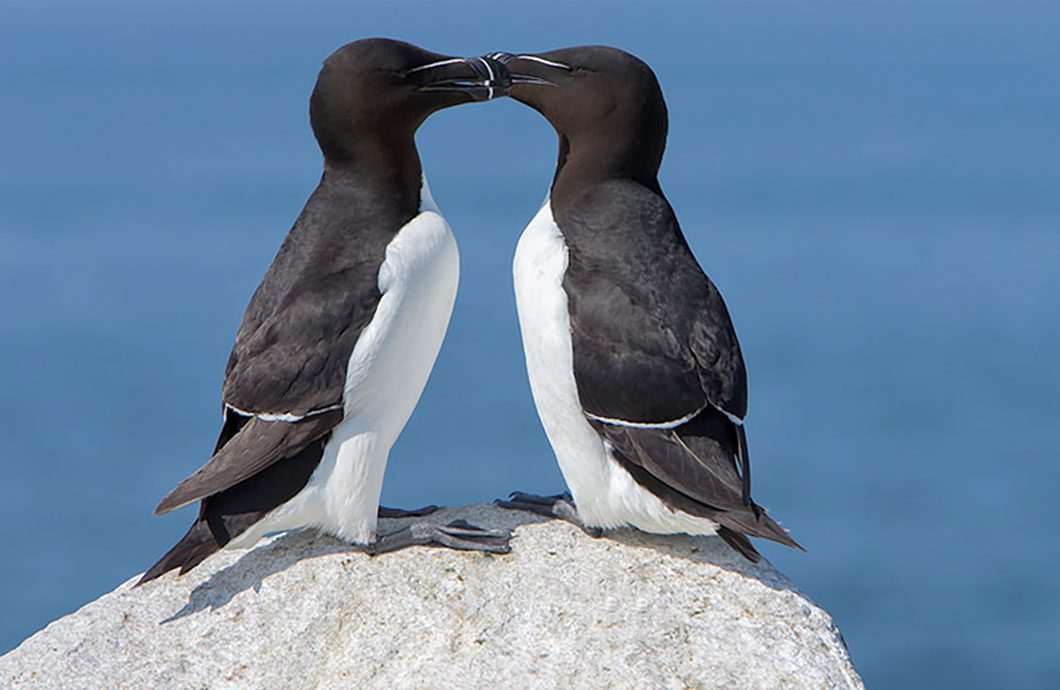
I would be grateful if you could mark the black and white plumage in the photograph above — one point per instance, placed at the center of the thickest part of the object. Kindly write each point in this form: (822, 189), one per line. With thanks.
(634, 364)
(339, 339)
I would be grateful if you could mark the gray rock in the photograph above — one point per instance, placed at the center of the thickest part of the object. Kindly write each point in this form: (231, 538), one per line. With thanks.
(563, 610)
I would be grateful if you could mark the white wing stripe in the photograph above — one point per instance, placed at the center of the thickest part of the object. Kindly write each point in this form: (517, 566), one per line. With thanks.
(647, 425)
(283, 416)
(665, 425)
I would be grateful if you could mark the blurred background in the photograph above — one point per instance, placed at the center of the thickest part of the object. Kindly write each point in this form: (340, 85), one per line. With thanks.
(875, 187)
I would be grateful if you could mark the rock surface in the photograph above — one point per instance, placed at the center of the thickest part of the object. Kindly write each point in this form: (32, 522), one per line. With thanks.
(561, 611)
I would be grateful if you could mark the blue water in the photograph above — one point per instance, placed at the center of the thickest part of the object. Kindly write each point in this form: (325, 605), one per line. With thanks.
(875, 186)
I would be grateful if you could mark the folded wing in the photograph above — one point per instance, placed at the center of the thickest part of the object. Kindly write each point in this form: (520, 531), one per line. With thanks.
(257, 445)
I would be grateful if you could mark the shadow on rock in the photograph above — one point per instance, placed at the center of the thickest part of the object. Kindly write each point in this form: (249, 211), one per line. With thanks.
(255, 565)
(712, 550)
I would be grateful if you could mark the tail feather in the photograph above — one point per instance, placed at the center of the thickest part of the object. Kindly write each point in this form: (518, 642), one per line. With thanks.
(756, 523)
(735, 523)
(741, 543)
(701, 468)
(191, 550)
(226, 515)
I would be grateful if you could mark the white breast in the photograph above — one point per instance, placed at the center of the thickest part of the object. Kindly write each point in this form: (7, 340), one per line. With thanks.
(394, 355)
(605, 493)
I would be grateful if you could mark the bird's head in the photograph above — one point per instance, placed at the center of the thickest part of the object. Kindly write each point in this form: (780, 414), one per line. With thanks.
(386, 88)
(601, 100)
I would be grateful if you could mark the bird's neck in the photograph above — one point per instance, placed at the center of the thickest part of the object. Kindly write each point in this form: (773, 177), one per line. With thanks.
(591, 159)
(377, 167)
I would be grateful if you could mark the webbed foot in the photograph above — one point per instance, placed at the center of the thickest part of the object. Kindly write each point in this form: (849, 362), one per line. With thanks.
(458, 534)
(560, 506)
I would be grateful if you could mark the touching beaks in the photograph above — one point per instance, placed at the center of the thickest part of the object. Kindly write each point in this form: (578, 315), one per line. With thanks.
(482, 78)
(518, 77)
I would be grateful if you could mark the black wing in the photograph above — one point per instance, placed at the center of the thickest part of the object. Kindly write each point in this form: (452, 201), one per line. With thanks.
(303, 321)
(287, 369)
(652, 338)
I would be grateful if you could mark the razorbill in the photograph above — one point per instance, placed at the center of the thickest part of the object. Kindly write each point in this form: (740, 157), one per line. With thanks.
(338, 341)
(632, 358)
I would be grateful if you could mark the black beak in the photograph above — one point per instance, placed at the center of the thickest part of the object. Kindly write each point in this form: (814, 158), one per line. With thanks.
(528, 69)
(482, 78)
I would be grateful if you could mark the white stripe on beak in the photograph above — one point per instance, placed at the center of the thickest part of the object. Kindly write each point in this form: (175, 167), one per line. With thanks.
(489, 70)
(440, 63)
(543, 61)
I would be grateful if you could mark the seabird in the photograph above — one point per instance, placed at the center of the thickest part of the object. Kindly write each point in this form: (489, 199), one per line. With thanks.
(337, 342)
(634, 365)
